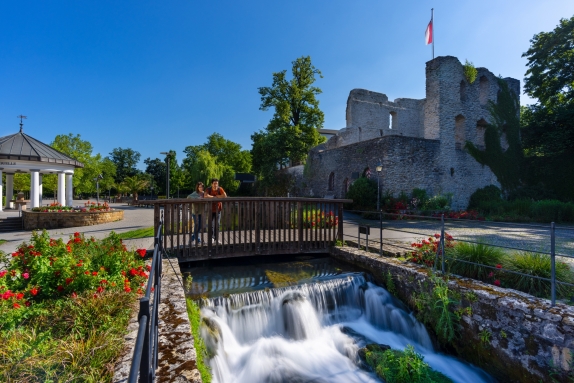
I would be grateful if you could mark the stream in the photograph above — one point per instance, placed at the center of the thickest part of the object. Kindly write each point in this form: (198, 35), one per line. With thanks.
(304, 320)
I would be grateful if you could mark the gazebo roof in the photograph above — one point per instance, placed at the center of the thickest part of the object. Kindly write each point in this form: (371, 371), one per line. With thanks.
(22, 147)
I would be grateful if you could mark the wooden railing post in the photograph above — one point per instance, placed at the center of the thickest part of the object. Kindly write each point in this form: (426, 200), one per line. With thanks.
(300, 224)
(340, 214)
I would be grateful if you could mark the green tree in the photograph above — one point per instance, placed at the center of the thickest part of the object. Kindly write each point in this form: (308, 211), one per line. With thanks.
(84, 178)
(157, 168)
(505, 164)
(548, 125)
(135, 184)
(296, 120)
(225, 159)
(125, 161)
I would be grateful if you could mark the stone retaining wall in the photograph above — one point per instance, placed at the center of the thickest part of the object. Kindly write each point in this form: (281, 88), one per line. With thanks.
(38, 220)
(527, 336)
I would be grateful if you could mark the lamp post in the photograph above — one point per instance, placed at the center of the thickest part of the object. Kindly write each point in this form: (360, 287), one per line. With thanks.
(97, 179)
(168, 155)
(151, 187)
(379, 169)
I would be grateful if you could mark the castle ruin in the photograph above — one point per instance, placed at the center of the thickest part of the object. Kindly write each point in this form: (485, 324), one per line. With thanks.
(420, 143)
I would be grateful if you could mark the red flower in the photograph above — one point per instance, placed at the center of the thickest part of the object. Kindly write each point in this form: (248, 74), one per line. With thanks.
(69, 280)
(19, 296)
(74, 295)
(76, 234)
(15, 254)
(16, 305)
(60, 288)
(94, 273)
(100, 289)
(87, 272)
(127, 289)
(141, 252)
(68, 248)
(499, 266)
(148, 267)
(77, 239)
(2, 273)
(497, 282)
(34, 291)
(133, 272)
(27, 303)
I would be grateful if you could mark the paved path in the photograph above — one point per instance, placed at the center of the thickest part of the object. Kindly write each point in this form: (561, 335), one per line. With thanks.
(134, 218)
(534, 237)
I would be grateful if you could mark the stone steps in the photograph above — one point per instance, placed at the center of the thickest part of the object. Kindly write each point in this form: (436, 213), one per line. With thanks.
(10, 224)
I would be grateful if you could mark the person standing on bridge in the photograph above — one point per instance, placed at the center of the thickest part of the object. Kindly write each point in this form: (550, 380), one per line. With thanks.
(214, 191)
(196, 211)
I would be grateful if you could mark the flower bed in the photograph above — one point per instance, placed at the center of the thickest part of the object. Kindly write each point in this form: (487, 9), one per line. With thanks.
(53, 220)
(88, 207)
(64, 307)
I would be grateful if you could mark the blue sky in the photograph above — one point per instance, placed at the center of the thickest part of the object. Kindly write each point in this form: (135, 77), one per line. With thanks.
(155, 76)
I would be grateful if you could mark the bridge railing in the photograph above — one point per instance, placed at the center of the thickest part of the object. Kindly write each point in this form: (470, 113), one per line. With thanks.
(204, 228)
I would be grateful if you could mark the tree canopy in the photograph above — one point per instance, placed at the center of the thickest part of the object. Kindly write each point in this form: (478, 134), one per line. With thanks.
(125, 161)
(294, 128)
(548, 126)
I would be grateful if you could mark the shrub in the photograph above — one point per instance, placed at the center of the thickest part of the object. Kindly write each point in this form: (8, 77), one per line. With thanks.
(474, 252)
(537, 265)
(48, 269)
(553, 211)
(439, 202)
(488, 194)
(470, 72)
(408, 366)
(425, 250)
(363, 192)
(419, 198)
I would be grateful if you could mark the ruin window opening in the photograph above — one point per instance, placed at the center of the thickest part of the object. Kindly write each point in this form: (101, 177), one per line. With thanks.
(480, 128)
(459, 133)
(392, 120)
(462, 91)
(483, 90)
(331, 181)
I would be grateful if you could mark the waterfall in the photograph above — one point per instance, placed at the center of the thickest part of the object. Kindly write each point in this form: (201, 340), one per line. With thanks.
(312, 333)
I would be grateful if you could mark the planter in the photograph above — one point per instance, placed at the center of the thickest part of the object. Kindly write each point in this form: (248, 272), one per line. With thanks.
(39, 220)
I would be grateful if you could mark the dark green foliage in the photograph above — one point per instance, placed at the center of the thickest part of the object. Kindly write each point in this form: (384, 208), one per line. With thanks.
(126, 161)
(536, 264)
(363, 192)
(505, 164)
(548, 126)
(486, 194)
(406, 366)
(474, 252)
(421, 196)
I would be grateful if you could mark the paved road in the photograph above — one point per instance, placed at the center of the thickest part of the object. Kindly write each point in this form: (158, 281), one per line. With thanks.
(134, 218)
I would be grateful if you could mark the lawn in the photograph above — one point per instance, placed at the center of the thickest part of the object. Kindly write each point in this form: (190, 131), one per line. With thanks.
(138, 233)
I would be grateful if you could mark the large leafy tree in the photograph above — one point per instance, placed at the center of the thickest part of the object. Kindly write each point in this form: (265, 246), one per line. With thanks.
(218, 158)
(294, 127)
(135, 184)
(548, 125)
(94, 165)
(157, 169)
(126, 161)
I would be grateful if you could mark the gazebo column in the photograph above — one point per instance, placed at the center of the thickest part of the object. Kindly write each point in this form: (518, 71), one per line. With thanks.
(69, 190)
(34, 188)
(61, 189)
(41, 188)
(1, 187)
(9, 188)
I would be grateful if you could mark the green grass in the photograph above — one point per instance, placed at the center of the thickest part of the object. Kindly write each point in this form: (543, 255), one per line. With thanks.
(539, 265)
(474, 252)
(2, 241)
(201, 351)
(138, 233)
(79, 344)
(395, 366)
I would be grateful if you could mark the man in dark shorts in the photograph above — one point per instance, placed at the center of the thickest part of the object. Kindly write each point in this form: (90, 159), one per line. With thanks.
(214, 191)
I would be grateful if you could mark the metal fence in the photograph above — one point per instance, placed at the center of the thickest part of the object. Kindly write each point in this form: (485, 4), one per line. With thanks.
(405, 225)
(145, 357)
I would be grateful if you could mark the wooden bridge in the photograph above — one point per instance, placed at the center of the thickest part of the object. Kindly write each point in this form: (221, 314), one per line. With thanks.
(248, 226)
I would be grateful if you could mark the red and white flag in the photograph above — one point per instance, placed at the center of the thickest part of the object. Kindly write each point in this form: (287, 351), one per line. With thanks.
(428, 34)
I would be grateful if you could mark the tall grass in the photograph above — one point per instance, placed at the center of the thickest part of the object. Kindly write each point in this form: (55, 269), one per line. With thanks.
(477, 253)
(67, 340)
(201, 351)
(536, 265)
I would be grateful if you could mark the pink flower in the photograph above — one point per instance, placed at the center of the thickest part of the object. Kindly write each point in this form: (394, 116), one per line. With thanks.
(2, 273)
(25, 275)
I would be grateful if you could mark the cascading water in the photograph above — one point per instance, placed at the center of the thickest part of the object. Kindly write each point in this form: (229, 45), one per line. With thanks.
(312, 333)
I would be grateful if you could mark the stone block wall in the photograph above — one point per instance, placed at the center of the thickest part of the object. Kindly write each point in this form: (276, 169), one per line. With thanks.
(408, 163)
(38, 220)
(527, 335)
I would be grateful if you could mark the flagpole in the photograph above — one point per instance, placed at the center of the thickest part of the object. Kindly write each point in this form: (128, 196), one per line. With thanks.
(432, 30)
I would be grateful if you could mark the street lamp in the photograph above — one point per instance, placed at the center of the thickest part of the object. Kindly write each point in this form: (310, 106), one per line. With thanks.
(97, 179)
(379, 169)
(151, 187)
(168, 155)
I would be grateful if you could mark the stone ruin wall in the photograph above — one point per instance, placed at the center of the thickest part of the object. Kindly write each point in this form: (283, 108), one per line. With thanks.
(453, 112)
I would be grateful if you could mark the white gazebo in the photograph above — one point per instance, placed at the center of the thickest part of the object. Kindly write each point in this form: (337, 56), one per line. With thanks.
(20, 153)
